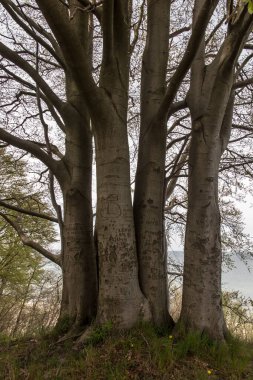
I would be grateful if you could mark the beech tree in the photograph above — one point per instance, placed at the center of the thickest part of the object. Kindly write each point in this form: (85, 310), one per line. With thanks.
(72, 169)
(210, 99)
(121, 276)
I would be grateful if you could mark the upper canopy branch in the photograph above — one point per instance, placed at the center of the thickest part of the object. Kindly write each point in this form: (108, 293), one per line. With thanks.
(116, 46)
(15, 58)
(93, 7)
(23, 82)
(194, 42)
(72, 47)
(22, 20)
(234, 42)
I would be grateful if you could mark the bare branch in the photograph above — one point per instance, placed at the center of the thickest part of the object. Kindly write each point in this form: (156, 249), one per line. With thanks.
(204, 16)
(15, 13)
(12, 56)
(73, 51)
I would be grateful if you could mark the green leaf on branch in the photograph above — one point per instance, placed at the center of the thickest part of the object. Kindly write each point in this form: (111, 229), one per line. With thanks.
(250, 7)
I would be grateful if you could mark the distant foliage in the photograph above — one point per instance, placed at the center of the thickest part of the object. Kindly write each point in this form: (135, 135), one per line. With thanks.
(238, 312)
(29, 287)
(250, 5)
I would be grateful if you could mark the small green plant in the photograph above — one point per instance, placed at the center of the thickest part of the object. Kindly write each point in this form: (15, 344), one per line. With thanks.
(99, 334)
(193, 343)
(4, 338)
(62, 326)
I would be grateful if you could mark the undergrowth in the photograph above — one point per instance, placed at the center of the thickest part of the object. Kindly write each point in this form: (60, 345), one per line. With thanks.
(142, 353)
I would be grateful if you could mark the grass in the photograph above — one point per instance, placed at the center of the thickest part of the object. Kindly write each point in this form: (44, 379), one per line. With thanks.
(142, 353)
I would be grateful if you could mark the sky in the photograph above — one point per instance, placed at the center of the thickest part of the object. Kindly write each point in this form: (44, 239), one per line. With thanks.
(247, 209)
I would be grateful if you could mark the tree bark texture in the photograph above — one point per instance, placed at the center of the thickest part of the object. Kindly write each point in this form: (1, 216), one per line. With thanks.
(149, 187)
(120, 298)
(79, 301)
(211, 103)
(201, 307)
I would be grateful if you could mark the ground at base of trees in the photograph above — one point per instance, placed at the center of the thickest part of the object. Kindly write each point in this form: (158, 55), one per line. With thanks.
(142, 353)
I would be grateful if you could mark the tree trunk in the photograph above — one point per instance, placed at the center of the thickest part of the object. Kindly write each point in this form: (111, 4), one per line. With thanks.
(148, 213)
(201, 305)
(149, 186)
(79, 266)
(120, 298)
(79, 298)
(211, 106)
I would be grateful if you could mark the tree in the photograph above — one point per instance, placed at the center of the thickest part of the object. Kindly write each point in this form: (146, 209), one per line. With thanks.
(210, 101)
(130, 241)
(72, 170)
(120, 297)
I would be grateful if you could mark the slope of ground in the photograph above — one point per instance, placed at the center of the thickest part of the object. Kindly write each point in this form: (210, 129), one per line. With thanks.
(142, 353)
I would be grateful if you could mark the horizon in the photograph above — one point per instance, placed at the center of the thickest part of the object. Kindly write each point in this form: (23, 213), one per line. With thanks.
(239, 278)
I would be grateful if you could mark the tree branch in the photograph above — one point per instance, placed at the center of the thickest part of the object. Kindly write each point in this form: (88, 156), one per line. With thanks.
(30, 243)
(194, 42)
(108, 30)
(136, 28)
(31, 148)
(56, 206)
(73, 51)
(28, 212)
(12, 56)
(243, 83)
(16, 14)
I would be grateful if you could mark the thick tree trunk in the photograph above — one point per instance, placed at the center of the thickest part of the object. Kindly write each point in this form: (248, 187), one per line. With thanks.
(211, 107)
(79, 299)
(120, 298)
(201, 305)
(79, 266)
(148, 213)
(149, 186)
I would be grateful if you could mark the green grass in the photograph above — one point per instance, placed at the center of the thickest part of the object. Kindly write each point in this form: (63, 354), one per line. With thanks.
(142, 353)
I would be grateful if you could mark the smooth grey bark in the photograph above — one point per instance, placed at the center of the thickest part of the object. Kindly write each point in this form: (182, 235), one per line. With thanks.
(73, 171)
(120, 298)
(201, 305)
(79, 296)
(107, 105)
(156, 105)
(149, 186)
(211, 105)
(79, 299)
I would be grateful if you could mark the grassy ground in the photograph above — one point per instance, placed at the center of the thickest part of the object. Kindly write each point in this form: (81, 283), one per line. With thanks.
(142, 353)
